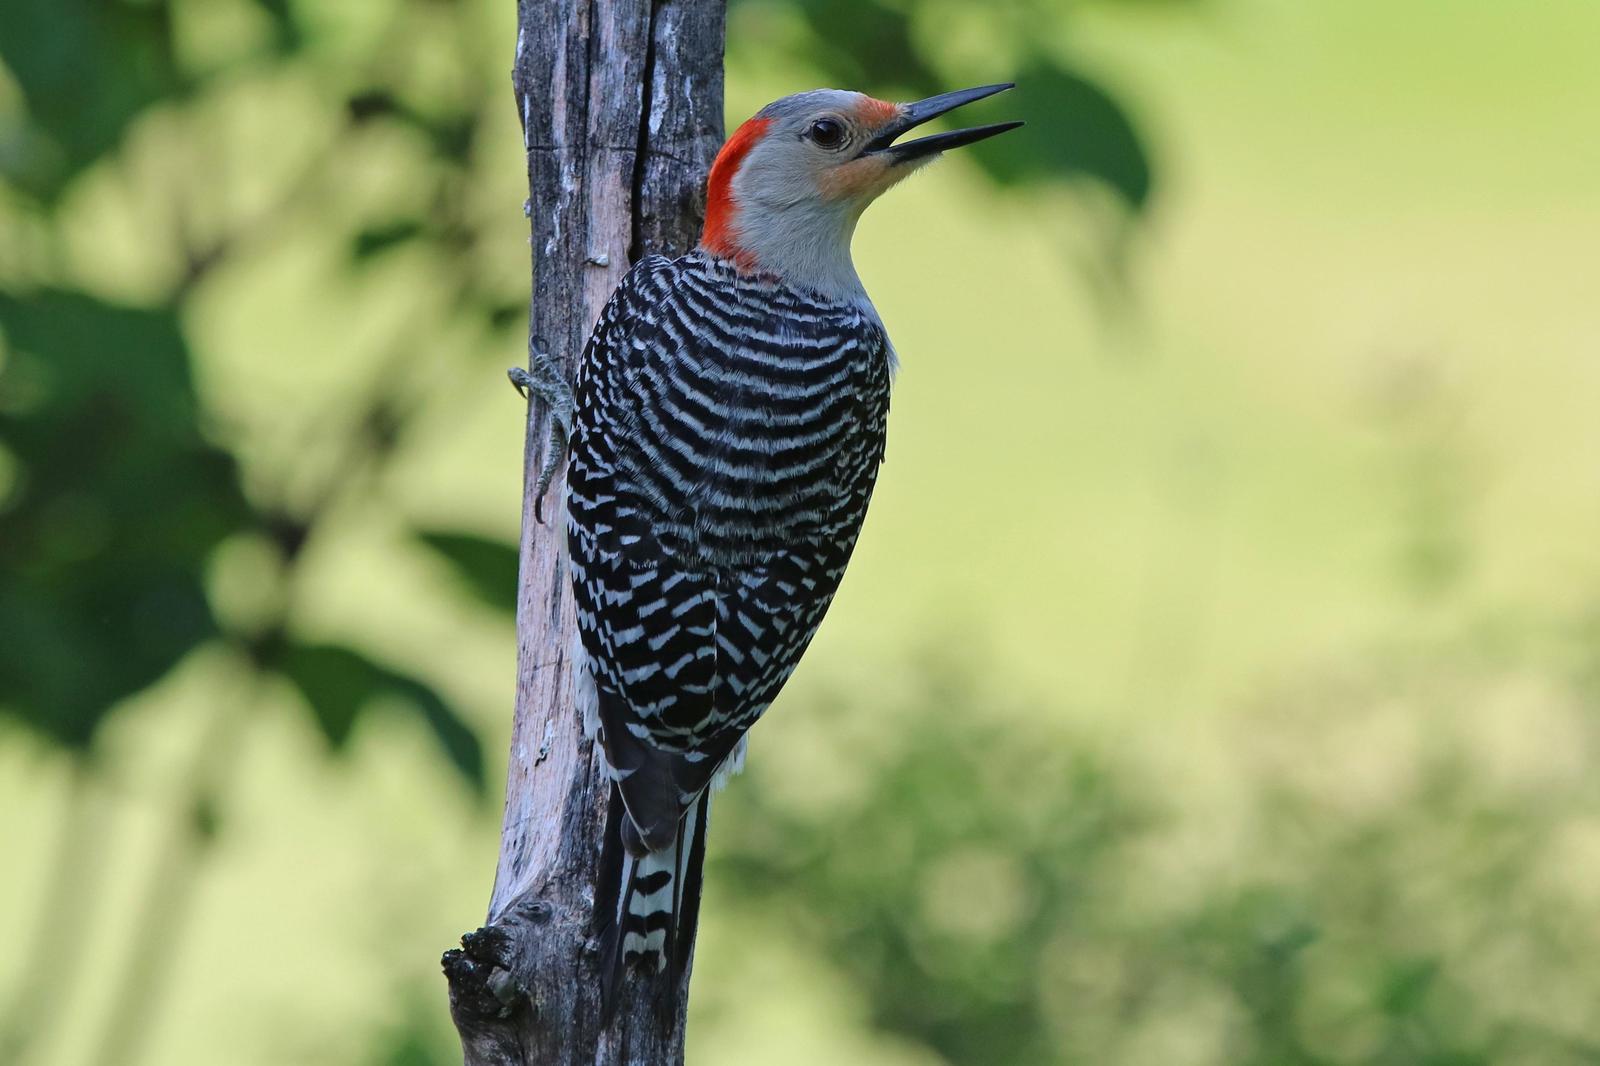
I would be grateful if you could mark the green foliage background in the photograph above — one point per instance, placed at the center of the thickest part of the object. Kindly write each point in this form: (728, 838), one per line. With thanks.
(1216, 681)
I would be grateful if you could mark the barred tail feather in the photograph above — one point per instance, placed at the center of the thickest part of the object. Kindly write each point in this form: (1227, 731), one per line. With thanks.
(653, 904)
(691, 865)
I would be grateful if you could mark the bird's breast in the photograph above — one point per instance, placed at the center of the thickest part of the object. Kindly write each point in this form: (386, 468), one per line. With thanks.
(785, 448)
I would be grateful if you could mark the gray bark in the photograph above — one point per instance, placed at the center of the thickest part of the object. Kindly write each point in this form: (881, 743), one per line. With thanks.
(621, 105)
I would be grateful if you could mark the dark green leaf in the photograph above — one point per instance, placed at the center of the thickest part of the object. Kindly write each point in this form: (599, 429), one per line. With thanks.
(337, 684)
(880, 49)
(487, 567)
(1075, 129)
(454, 736)
(86, 70)
(340, 685)
(506, 315)
(120, 500)
(379, 239)
(453, 135)
(371, 104)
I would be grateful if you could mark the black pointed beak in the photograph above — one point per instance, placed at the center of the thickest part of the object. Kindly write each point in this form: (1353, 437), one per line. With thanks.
(914, 115)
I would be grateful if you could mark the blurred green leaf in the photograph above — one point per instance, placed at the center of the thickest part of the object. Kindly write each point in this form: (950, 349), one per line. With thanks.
(371, 104)
(1075, 130)
(505, 315)
(488, 568)
(119, 501)
(864, 42)
(340, 685)
(86, 69)
(1406, 985)
(286, 28)
(451, 134)
(454, 135)
(379, 239)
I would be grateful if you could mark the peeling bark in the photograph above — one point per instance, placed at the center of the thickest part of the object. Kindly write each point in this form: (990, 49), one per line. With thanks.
(621, 106)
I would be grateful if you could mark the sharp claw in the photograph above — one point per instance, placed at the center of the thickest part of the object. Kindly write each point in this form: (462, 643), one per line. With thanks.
(555, 453)
(550, 389)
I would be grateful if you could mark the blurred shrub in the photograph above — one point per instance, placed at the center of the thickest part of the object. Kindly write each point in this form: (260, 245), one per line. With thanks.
(1398, 866)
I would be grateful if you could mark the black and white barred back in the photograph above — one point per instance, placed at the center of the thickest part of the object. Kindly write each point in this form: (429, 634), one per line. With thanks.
(728, 433)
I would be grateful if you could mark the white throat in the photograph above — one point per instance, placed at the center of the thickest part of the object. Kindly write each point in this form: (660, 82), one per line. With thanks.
(805, 241)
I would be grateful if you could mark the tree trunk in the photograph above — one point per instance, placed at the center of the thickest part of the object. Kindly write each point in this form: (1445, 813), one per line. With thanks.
(621, 105)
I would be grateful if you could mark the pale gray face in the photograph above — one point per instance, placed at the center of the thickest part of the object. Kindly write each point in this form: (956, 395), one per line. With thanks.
(809, 164)
(814, 147)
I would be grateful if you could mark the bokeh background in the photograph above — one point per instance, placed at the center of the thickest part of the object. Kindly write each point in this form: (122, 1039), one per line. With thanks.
(1218, 679)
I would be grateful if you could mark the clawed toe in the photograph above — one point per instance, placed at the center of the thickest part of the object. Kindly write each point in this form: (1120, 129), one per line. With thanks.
(544, 384)
(522, 381)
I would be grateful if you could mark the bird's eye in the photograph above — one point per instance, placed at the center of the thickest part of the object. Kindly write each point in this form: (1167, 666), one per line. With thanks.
(826, 133)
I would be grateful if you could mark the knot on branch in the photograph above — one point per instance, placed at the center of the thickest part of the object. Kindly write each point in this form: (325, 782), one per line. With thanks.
(483, 986)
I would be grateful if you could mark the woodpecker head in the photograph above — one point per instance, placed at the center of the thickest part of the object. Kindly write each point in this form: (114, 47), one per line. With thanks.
(786, 190)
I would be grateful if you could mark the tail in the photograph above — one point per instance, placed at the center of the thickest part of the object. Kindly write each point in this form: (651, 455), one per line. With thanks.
(649, 900)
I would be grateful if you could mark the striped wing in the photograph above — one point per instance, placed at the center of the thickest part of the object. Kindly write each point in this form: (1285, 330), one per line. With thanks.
(727, 439)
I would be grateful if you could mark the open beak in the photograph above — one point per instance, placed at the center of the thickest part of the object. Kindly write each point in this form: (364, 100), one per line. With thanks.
(914, 115)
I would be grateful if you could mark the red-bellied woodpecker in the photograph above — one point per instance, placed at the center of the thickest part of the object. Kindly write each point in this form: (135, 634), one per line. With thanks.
(726, 433)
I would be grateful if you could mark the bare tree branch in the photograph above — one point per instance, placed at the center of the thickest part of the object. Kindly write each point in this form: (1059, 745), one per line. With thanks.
(621, 105)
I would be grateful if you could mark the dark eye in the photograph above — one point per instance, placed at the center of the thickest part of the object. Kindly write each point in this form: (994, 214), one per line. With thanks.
(826, 133)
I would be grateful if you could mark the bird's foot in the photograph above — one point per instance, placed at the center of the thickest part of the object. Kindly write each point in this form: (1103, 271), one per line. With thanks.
(543, 383)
